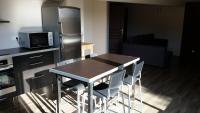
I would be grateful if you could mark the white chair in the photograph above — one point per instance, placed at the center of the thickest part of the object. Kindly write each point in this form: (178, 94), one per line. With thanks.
(74, 85)
(130, 81)
(106, 91)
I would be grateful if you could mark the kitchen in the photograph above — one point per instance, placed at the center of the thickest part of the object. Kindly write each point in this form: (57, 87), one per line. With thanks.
(39, 48)
(24, 19)
(37, 36)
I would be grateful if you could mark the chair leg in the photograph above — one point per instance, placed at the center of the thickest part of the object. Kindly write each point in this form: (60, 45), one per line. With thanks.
(123, 101)
(118, 100)
(78, 102)
(140, 95)
(95, 102)
(129, 99)
(100, 105)
(133, 88)
(83, 103)
(118, 97)
(105, 105)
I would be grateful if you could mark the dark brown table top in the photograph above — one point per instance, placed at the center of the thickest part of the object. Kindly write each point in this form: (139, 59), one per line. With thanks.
(90, 70)
(85, 70)
(116, 59)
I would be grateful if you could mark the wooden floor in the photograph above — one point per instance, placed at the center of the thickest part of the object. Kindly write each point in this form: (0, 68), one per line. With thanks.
(171, 90)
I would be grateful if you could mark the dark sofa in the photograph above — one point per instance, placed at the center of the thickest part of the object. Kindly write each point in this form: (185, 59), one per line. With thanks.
(153, 51)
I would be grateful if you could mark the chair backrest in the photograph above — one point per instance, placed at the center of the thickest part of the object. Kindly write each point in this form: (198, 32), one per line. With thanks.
(116, 79)
(65, 62)
(138, 69)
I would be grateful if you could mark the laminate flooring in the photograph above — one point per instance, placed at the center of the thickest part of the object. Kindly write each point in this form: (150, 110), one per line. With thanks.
(165, 90)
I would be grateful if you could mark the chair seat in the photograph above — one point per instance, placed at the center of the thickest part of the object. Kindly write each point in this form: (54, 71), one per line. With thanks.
(74, 85)
(130, 80)
(102, 89)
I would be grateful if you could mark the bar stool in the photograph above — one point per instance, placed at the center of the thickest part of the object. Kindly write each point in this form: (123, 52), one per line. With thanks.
(105, 91)
(73, 85)
(130, 81)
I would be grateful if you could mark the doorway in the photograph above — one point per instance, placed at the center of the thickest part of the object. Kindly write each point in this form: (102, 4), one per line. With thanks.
(118, 13)
(190, 50)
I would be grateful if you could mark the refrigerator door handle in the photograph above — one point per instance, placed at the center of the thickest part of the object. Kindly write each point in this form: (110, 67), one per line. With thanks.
(61, 27)
(62, 43)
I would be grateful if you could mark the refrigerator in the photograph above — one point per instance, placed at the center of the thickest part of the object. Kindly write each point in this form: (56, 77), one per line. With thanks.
(65, 23)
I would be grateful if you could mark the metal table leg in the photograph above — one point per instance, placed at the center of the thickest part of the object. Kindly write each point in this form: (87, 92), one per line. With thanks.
(58, 93)
(90, 97)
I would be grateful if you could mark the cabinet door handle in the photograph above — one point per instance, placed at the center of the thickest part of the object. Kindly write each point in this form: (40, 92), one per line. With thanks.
(36, 63)
(38, 56)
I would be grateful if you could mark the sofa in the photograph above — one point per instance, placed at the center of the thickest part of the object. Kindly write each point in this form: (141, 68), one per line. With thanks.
(153, 51)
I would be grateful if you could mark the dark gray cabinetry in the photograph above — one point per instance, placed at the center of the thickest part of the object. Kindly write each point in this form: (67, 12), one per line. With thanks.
(31, 61)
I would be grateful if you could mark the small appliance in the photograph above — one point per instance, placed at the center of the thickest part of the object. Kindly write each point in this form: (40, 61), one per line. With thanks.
(32, 40)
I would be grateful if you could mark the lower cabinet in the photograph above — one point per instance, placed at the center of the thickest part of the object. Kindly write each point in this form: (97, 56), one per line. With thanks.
(37, 78)
(31, 71)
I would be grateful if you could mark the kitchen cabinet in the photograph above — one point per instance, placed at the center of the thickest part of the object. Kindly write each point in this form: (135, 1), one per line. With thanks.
(26, 67)
(26, 62)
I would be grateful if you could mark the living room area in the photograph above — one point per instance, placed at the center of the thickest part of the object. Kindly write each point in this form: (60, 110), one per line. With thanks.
(153, 32)
(165, 37)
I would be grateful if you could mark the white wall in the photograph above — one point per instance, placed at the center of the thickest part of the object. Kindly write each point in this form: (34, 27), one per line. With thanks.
(26, 13)
(95, 24)
(100, 27)
(88, 13)
(20, 13)
(165, 22)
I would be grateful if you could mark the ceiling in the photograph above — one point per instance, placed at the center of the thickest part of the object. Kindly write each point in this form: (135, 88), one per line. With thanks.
(154, 2)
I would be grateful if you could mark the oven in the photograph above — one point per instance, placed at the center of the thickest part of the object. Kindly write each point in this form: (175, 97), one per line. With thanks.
(7, 78)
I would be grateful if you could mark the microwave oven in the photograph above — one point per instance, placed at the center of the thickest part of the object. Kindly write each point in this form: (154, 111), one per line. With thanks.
(32, 40)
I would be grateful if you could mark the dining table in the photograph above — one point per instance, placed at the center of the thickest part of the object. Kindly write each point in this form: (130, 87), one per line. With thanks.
(91, 70)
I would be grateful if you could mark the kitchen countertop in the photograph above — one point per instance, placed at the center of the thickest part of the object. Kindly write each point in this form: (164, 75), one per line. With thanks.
(13, 52)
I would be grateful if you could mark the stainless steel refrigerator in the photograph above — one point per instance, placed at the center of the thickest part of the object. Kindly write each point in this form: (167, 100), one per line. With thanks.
(65, 22)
